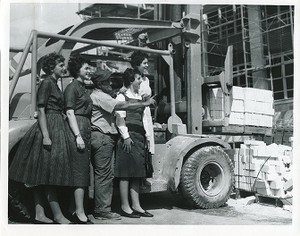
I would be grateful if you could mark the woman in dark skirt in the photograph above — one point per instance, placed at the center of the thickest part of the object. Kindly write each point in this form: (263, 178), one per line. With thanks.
(42, 160)
(131, 148)
(78, 105)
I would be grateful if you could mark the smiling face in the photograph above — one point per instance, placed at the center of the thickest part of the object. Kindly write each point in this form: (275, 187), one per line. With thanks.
(143, 66)
(136, 84)
(85, 72)
(59, 70)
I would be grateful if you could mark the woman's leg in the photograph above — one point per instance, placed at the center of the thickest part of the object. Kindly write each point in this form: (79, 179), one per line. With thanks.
(79, 198)
(134, 193)
(53, 201)
(39, 205)
(124, 194)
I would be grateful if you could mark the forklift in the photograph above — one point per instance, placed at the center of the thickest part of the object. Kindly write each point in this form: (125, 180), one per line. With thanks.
(192, 156)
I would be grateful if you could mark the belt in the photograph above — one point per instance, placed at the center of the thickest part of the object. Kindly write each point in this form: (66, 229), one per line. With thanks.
(53, 112)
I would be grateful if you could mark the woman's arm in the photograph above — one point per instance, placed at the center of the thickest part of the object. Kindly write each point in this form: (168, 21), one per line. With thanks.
(124, 105)
(121, 124)
(74, 127)
(43, 125)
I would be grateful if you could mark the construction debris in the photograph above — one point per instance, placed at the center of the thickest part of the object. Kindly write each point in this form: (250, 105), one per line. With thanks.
(264, 169)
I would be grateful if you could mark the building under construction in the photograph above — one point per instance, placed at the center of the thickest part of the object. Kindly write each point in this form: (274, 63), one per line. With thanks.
(262, 39)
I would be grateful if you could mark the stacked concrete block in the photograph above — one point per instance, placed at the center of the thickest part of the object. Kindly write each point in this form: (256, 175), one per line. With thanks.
(263, 169)
(250, 106)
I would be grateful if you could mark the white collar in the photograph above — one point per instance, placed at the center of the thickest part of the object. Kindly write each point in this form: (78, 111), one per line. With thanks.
(130, 94)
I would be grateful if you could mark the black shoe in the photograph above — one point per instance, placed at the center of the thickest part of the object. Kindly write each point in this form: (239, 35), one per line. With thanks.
(131, 215)
(143, 214)
(76, 220)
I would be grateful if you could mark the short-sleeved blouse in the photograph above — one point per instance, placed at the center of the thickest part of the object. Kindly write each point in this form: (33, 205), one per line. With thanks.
(49, 95)
(77, 98)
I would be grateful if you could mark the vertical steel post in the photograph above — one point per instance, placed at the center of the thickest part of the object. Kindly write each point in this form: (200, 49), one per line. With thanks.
(292, 24)
(33, 73)
(172, 84)
(20, 66)
(194, 79)
(244, 44)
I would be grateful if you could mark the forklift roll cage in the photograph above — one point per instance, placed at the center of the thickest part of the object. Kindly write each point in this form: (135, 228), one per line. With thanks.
(32, 42)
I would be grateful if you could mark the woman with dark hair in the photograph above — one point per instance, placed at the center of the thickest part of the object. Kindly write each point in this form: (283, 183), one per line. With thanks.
(139, 61)
(42, 160)
(78, 105)
(131, 148)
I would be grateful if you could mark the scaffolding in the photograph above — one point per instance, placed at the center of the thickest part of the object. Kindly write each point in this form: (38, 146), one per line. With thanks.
(259, 35)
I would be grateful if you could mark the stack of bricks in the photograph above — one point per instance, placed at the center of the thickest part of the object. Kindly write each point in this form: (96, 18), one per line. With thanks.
(263, 169)
(250, 106)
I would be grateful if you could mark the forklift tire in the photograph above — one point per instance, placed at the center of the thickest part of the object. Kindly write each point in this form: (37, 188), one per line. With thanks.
(207, 178)
(18, 207)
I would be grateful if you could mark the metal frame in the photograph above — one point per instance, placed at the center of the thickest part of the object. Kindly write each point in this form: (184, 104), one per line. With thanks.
(32, 42)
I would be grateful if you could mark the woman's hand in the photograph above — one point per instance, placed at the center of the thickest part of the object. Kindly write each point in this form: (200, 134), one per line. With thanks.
(47, 143)
(147, 145)
(145, 97)
(123, 90)
(80, 143)
(127, 145)
(151, 101)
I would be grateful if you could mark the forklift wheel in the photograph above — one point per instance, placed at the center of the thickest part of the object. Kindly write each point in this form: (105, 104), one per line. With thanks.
(207, 178)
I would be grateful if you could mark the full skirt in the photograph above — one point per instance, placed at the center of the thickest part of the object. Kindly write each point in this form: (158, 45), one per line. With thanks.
(33, 165)
(81, 158)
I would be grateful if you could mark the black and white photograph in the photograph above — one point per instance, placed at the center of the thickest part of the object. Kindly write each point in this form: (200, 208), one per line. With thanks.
(154, 117)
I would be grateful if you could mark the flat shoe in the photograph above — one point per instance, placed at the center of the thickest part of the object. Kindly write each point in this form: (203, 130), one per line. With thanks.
(131, 215)
(143, 214)
(76, 220)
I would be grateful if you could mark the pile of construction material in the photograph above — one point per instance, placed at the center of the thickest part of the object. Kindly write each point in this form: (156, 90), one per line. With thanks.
(250, 106)
(264, 169)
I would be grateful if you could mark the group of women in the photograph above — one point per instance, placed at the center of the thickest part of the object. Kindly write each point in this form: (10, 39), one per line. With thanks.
(55, 152)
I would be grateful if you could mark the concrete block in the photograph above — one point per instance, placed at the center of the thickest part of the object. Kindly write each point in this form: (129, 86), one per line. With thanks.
(264, 191)
(251, 166)
(278, 192)
(179, 128)
(261, 184)
(280, 168)
(271, 176)
(238, 92)
(288, 185)
(237, 105)
(248, 200)
(276, 184)
(254, 143)
(261, 95)
(265, 168)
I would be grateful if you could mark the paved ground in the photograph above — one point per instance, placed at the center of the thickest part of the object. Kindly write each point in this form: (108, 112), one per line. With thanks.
(169, 209)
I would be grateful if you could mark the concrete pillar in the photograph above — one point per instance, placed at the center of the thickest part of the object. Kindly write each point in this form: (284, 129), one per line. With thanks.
(256, 47)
